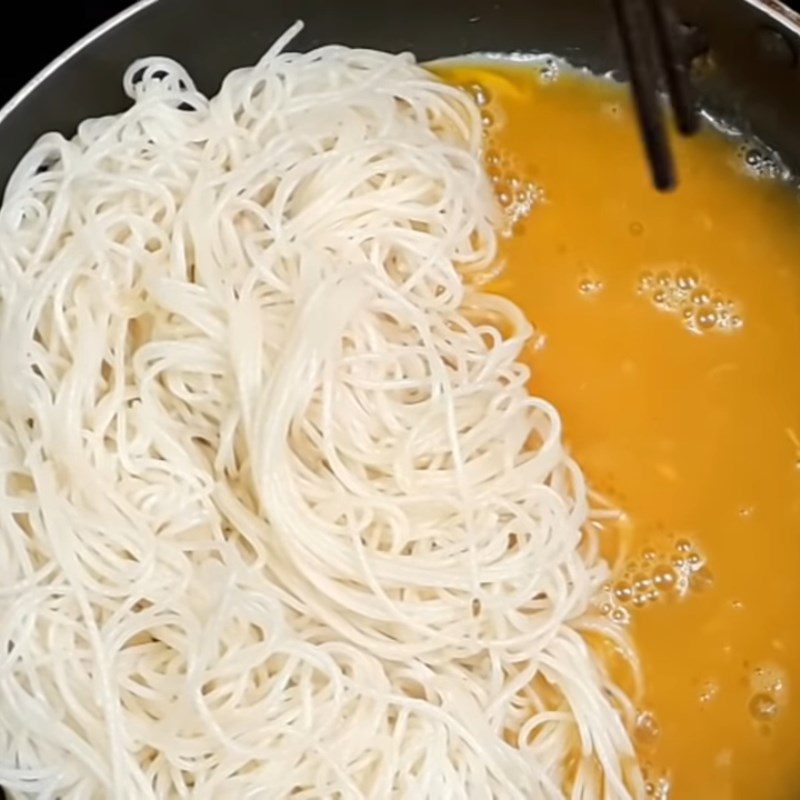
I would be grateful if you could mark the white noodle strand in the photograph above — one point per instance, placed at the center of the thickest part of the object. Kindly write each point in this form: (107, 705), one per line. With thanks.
(279, 516)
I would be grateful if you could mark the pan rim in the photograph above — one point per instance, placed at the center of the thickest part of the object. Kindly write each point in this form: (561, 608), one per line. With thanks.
(775, 9)
(778, 11)
(60, 60)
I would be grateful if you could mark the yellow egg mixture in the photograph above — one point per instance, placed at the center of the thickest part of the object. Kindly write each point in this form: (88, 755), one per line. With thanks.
(668, 335)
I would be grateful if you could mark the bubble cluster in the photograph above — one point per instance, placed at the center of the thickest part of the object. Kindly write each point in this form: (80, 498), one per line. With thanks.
(483, 99)
(656, 575)
(516, 195)
(549, 70)
(589, 285)
(480, 94)
(610, 606)
(768, 686)
(763, 706)
(760, 163)
(646, 729)
(682, 292)
(657, 785)
(708, 692)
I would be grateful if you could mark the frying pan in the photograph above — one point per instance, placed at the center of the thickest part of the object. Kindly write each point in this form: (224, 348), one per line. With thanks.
(752, 52)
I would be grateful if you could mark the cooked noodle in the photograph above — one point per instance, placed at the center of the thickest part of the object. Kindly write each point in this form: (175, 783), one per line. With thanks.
(279, 516)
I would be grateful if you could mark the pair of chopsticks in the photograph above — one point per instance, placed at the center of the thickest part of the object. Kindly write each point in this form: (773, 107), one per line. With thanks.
(657, 56)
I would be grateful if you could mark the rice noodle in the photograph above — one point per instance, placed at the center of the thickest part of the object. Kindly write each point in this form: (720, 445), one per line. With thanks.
(279, 515)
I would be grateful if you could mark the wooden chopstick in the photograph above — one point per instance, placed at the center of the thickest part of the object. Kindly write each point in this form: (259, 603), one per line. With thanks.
(655, 56)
